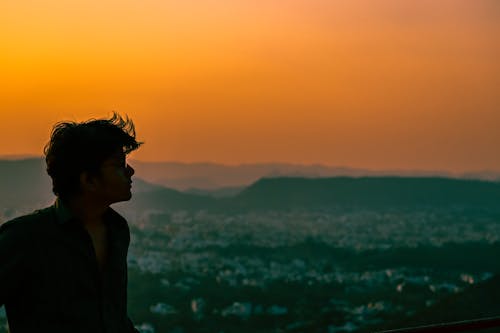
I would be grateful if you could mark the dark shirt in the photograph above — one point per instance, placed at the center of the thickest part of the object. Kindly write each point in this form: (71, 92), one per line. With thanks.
(50, 280)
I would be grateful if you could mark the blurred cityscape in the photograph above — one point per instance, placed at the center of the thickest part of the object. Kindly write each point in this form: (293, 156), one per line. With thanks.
(301, 271)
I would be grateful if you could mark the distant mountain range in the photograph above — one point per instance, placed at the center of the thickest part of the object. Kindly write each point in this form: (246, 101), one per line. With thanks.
(24, 185)
(211, 176)
(368, 192)
(226, 180)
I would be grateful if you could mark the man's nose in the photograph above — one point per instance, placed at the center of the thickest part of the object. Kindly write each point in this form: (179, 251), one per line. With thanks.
(130, 170)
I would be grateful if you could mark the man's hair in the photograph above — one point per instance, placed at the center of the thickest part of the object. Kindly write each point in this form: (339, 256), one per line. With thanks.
(83, 147)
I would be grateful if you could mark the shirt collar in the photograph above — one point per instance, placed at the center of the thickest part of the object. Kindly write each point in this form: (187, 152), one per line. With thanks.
(64, 214)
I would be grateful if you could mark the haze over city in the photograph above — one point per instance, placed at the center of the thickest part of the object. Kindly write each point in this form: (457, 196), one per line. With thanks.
(389, 84)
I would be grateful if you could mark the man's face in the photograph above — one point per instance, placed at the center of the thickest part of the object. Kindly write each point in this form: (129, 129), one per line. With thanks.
(114, 182)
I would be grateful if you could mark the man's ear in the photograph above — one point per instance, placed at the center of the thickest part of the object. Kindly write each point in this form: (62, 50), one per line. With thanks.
(88, 182)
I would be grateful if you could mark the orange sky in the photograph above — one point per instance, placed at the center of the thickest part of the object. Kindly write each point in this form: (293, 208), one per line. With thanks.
(380, 84)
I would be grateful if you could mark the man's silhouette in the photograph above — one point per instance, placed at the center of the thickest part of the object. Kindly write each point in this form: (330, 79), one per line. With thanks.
(63, 269)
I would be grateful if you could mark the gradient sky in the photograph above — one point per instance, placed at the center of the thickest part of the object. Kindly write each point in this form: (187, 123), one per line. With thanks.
(379, 84)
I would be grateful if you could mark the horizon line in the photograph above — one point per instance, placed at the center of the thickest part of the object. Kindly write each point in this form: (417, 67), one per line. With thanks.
(436, 172)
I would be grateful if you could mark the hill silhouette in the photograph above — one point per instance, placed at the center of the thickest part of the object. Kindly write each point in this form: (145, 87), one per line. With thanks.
(165, 199)
(293, 193)
(332, 193)
(212, 176)
(25, 185)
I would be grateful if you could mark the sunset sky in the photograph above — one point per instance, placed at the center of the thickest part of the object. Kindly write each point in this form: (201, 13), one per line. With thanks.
(378, 84)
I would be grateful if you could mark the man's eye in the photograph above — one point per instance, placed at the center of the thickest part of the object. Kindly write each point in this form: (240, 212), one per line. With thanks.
(121, 164)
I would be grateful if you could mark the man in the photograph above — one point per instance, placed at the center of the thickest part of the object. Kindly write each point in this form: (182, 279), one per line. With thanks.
(63, 269)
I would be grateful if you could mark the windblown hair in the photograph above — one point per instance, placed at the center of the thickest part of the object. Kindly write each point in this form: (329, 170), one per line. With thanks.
(83, 147)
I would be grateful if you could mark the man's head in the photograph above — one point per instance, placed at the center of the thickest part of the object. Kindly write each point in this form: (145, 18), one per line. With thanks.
(90, 156)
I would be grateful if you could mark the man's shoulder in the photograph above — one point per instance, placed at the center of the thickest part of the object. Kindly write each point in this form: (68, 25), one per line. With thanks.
(28, 223)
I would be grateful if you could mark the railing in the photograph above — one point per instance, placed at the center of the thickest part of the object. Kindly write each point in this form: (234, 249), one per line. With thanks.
(458, 326)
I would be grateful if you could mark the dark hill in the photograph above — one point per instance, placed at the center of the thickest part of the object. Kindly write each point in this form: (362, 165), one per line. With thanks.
(289, 193)
(339, 192)
(24, 185)
(165, 199)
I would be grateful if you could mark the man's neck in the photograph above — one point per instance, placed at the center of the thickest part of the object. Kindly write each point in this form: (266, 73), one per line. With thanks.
(88, 211)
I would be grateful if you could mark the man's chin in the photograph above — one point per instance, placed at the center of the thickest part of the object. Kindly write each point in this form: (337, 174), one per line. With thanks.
(128, 197)
(124, 198)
